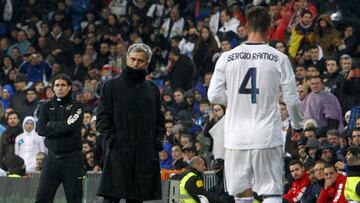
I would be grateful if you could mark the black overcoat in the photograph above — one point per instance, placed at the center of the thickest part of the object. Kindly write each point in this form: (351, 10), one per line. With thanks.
(130, 117)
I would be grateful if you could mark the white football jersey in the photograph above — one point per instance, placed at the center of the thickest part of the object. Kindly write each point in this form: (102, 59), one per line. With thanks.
(248, 79)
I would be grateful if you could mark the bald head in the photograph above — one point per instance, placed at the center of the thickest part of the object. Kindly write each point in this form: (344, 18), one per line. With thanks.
(198, 163)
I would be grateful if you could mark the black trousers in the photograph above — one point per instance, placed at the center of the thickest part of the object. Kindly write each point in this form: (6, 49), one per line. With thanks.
(116, 200)
(66, 169)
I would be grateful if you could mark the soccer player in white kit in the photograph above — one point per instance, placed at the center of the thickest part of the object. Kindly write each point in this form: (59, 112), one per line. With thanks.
(248, 79)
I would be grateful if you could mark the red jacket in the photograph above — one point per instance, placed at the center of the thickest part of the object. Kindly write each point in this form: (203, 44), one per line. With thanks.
(335, 193)
(297, 189)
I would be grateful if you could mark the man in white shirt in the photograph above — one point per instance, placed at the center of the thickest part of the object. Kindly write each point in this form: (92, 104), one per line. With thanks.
(248, 79)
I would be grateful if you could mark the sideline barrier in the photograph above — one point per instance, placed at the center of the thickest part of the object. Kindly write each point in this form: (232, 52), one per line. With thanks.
(23, 190)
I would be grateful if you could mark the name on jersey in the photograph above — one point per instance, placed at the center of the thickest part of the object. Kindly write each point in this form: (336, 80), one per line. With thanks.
(253, 56)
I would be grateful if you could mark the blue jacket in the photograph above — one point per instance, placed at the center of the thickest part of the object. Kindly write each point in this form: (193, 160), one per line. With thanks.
(35, 73)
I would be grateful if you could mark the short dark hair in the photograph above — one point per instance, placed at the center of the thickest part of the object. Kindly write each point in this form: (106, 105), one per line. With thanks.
(305, 11)
(330, 166)
(258, 19)
(295, 162)
(175, 51)
(317, 77)
(62, 76)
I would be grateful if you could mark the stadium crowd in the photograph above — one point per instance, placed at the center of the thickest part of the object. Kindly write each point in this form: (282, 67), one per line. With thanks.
(88, 41)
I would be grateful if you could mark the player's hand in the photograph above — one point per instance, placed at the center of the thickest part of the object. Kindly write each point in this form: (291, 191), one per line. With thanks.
(329, 182)
(340, 165)
(97, 169)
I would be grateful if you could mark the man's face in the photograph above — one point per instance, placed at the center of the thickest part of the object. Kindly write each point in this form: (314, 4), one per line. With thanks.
(312, 71)
(326, 155)
(241, 31)
(137, 60)
(301, 150)
(168, 115)
(19, 85)
(333, 139)
(314, 52)
(283, 112)
(104, 48)
(296, 171)
(301, 91)
(77, 59)
(21, 36)
(346, 65)
(330, 174)
(85, 148)
(274, 11)
(309, 134)
(176, 153)
(39, 161)
(87, 119)
(316, 85)
(207, 80)
(29, 126)
(300, 72)
(174, 14)
(224, 17)
(312, 152)
(311, 173)
(61, 88)
(184, 141)
(169, 127)
(201, 167)
(331, 66)
(30, 96)
(319, 171)
(225, 46)
(178, 97)
(90, 158)
(204, 108)
(356, 138)
(13, 120)
(306, 19)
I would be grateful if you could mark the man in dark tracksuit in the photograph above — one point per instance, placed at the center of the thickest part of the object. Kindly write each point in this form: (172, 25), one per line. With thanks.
(60, 121)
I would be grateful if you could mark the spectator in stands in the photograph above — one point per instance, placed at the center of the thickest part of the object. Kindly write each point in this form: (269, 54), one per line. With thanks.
(89, 156)
(349, 42)
(174, 25)
(18, 101)
(31, 103)
(335, 79)
(229, 26)
(329, 115)
(356, 136)
(16, 166)
(165, 156)
(178, 157)
(8, 137)
(22, 43)
(179, 99)
(326, 36)
(300, 184)
(39, 161)
(302, 34)
(28, 144)
(312, 193)
(182, 70)
(7, 95)
(279, 23)
(204, 50)
(333, 190)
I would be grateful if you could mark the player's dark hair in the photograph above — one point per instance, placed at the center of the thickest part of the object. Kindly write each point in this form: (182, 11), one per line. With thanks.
(258, 19)
(295, 162)
(62, 76)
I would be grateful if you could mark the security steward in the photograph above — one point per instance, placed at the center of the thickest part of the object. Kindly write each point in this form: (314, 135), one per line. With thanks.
(191, 184)
(60, 121)
(352, 186)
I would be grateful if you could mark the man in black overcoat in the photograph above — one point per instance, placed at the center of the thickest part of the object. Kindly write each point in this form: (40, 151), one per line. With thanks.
(130, 117)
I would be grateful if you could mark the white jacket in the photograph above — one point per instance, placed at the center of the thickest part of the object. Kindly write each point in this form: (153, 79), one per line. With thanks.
(28, 144)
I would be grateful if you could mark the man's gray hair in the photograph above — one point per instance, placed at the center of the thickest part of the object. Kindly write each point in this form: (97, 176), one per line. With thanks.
(140, 47)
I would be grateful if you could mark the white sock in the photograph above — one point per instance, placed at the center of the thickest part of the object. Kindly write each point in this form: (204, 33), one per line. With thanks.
(244, 199)
(272, 200)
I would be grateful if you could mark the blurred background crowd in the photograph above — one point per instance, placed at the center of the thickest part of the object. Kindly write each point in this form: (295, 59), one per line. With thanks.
(88, 39)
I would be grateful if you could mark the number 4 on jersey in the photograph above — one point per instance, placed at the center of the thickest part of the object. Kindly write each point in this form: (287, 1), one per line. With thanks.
(251, 73)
